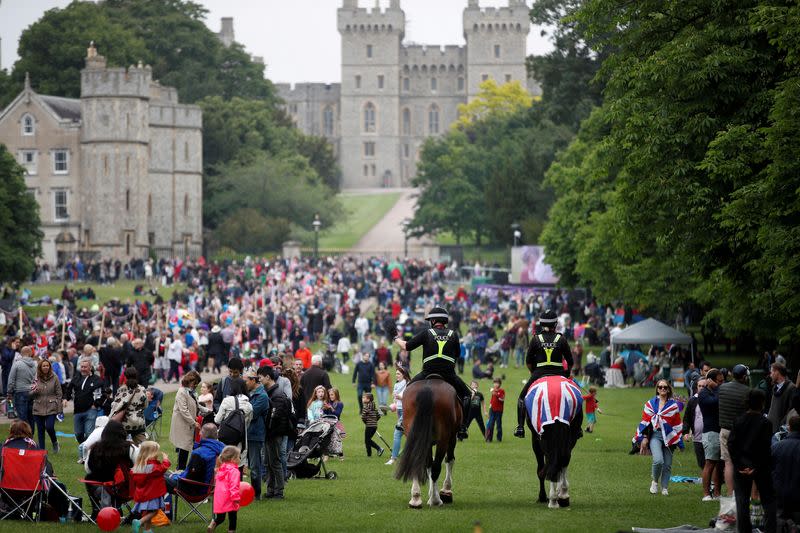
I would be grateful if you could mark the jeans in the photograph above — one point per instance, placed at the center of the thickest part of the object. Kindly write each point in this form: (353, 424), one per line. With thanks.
(284, 451)
(23, 407)
(504, 358)
(495, 417)
(254, 464)
(361, 388)
(519, 355)
(46, 423)
(274, 468)
(398, 435)
(662, 459)
(383, 395)
(83, 425)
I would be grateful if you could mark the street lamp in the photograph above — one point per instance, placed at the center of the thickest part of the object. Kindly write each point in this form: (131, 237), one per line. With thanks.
(406, 224)
(517, 233)
(317, 223)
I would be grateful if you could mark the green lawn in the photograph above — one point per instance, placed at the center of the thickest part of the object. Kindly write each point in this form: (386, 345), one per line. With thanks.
(494, 484)
(363, 212)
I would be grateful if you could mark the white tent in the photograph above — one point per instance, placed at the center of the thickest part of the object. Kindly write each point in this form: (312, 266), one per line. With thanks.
(651, 331)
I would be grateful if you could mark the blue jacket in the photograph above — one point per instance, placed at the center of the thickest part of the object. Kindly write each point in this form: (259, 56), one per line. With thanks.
(786, 472)
(7, 358)
(257, 431)
(202, 461)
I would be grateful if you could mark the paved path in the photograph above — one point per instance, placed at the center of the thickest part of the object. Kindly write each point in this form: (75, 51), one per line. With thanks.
(386, 237)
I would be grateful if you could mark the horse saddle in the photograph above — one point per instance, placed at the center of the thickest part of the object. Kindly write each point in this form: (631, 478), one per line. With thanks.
(434, 376)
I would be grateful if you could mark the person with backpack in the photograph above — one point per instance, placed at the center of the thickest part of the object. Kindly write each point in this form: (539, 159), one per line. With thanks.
(234, 416)
(256, 432)
(235, 369)
(279, 426)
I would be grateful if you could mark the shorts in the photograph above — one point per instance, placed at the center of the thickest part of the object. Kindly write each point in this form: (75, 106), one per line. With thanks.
(591, 418)
(723, 444)
(711, 445)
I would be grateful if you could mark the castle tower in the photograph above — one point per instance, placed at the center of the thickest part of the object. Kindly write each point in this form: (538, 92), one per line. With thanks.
(114, 157)
(226, 34)
(496, 43)
(371, 49)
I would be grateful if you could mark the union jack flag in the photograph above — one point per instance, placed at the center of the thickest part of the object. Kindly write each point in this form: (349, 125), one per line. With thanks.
(665, 418)
(552, 399)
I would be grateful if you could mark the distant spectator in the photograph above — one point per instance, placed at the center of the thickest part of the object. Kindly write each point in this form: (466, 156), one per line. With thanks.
(238, 390)
(185, 412)
(235, 369)
(782, 396)
(314, 376)
(131, 399)
(200, 467)
(363, 377)
(23, 373)
(46, 397)
(303, 354)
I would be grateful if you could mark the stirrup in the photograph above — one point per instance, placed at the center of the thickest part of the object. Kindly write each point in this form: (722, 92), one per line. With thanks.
(519, 432)
(462, 434)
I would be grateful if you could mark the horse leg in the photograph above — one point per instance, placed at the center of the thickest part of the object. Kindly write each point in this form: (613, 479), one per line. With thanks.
(434, 500)
(563, 488)
(446, 494)
(416, 497)
(537, 451)
(553, 504)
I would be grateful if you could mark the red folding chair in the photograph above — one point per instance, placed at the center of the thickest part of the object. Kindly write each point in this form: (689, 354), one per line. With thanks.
(118, 490)
(22, 481)
(194, 493)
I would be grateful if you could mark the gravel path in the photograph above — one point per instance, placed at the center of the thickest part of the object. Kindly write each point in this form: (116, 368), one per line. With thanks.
(386, 237)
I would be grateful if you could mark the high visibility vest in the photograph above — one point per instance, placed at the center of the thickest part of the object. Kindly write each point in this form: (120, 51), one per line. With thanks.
(549, 352)
(441, 347)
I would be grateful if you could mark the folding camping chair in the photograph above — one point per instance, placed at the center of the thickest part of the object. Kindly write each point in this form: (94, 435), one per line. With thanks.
(115, 493)
(22, 482)
(194, 493)
(155, 421)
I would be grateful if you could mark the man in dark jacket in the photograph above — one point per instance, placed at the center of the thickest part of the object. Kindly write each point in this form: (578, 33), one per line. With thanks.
(111, 359)
(363, 377)
(709, 406)
(278, 427)
(313, 377)
(7, 354)
(85, 390)
(215, 349)
(202, 462)
(732, 404)
(782, 395)
(749, 446)
(256, 431)
(235, 369)
(786, 472)
(140, 358)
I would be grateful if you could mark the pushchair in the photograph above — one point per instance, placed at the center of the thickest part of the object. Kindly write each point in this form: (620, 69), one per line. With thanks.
(320, 438)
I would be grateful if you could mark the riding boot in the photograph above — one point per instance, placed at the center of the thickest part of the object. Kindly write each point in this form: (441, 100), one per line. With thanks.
(520, 431)
(462, 431)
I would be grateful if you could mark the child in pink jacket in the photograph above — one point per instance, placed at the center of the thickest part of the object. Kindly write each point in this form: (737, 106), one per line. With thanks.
(226, 489)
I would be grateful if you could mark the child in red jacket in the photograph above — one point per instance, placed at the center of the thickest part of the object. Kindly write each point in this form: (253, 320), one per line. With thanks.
(148, 484)
(496, 404)
(226, 489)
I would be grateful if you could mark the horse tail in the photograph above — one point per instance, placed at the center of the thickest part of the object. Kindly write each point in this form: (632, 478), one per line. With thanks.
(417, 451)
(557, 442)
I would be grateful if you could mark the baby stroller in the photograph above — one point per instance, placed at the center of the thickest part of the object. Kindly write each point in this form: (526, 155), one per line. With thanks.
(320, 438)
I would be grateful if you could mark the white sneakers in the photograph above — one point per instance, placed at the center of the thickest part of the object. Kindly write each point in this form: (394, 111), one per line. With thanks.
(664, 492)
(390, 461)
(708, 498)
(653, 488)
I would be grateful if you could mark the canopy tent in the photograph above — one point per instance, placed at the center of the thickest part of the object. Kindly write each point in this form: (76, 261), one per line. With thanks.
(651, 331)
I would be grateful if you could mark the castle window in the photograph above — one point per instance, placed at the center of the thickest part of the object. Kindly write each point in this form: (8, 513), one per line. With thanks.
(508, 78)
(149, 205)
(434, 84)
(372, 167)
(366, 170)
(185, 205)
(369, 118)
(406, 84)
(60, 162)
(484, 77)
(406, 121)
(29, 161)
(406, 150)
(497, 50)
(380, 81)
(293, 109)
(127, 199)
(369, 50)
(327, 121)
(105, 164)
(127, 244)
(369, 149)
(358, 82)
(186, 151)
(28, 125)
(460, 84)
(128, 165)
(433, 119)
(60, 199)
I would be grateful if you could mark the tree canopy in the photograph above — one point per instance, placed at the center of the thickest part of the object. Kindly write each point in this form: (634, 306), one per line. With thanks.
(20, 236)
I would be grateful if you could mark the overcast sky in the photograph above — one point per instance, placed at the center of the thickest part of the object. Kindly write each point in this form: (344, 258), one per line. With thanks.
(297, 38)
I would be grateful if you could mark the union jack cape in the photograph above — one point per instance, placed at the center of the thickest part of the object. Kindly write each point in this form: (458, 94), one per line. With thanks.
(552, 399)
(665, 418)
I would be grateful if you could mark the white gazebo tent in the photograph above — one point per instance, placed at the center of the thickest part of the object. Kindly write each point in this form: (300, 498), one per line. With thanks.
(651, 331)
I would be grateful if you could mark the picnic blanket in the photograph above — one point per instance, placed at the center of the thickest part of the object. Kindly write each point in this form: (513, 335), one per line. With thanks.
(552, 399)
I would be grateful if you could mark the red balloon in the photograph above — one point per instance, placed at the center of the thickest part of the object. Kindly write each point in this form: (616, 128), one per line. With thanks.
(108, 519)
(248, 493)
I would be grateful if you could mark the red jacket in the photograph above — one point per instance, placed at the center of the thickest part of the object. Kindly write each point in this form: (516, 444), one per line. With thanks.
(150, 485)
(498, 398)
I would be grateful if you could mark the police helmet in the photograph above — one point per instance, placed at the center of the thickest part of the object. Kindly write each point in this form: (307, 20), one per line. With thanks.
(438, 314)
(740, 372)
(548, 318)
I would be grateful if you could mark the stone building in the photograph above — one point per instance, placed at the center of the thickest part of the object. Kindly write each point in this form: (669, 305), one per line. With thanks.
(393, 95)
(118, 172)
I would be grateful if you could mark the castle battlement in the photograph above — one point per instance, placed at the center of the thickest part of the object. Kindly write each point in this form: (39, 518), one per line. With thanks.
(354, 19)
(435, 58)
(512, 19)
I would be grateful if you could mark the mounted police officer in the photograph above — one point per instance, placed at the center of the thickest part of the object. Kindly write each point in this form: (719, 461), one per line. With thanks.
(440, 351)
(546, 355)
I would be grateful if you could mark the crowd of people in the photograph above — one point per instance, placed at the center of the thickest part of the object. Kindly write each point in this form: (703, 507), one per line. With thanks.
(254, 323)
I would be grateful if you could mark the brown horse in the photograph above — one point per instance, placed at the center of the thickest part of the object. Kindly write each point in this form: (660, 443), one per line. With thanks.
(431, 417)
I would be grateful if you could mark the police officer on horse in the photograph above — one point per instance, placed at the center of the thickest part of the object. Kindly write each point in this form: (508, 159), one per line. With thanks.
(440, 351)
(546, 355)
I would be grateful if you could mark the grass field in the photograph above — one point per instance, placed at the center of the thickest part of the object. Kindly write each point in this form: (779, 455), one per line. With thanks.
(363, 212)
(494, 484)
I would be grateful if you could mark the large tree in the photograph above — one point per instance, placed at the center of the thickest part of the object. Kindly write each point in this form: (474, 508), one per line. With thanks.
(20, 237)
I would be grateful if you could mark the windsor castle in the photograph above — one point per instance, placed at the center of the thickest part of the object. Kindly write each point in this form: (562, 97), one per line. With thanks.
(393, 95)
